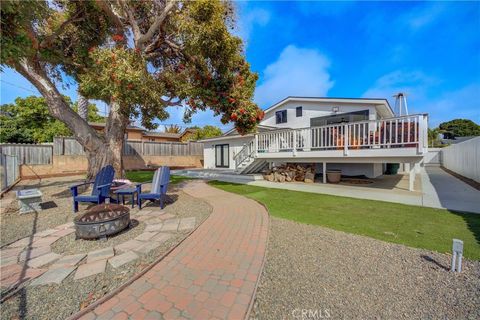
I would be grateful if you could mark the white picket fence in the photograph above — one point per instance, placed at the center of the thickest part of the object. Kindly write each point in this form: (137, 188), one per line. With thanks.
(463, 158)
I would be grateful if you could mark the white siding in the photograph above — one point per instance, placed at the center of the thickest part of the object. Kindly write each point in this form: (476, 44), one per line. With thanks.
(235, 145)
(312, 110)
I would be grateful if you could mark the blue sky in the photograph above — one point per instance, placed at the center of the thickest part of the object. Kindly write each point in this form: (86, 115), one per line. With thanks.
(430, 50)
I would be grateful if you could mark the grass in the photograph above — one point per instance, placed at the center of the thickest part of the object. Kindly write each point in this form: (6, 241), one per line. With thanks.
(146, 176)
(414, 226)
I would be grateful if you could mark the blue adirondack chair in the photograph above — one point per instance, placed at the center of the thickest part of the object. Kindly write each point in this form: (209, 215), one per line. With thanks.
(100, 190)
(160, 181)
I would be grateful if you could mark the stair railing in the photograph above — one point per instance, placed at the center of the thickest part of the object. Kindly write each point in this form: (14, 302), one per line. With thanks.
(244, 154)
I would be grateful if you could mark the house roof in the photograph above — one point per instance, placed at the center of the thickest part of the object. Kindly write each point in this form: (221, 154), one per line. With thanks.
(102, 124)
(380, 103)
(162, 134)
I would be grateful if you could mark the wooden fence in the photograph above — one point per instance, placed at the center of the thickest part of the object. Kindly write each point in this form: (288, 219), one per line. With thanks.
(43, 154)
(9, 171)
(28, 153)
(67, 146)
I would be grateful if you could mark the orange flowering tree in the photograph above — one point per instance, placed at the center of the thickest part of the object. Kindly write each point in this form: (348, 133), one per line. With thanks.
(138, 56)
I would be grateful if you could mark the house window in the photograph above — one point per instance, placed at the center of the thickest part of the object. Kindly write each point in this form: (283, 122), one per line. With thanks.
(299, 112)
(281, 116)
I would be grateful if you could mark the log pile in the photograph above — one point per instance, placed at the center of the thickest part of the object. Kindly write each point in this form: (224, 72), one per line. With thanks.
(291, 172)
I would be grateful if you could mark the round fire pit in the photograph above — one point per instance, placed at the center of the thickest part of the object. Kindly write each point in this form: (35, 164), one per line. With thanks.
(101, 221)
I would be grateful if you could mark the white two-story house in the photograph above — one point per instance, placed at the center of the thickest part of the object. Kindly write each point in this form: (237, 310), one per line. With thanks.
(357, 136)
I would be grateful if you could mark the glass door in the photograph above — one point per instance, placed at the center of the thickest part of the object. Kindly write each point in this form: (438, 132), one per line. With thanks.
(222, 156)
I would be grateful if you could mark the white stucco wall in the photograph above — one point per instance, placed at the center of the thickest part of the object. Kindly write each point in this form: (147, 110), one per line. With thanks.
(312, 110)
(235, 145)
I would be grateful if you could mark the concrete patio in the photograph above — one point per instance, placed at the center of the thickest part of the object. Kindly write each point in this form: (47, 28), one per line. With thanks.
(434, 187)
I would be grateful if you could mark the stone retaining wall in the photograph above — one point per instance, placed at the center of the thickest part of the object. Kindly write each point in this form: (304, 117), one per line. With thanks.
(73, 165)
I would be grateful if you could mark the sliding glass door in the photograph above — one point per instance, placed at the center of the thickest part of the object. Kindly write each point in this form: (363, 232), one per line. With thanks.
(222, 156)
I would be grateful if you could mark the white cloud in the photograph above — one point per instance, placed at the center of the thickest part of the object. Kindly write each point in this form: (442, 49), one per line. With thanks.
(248, 19)
(423, 96)
(418, 19)
(297, 72)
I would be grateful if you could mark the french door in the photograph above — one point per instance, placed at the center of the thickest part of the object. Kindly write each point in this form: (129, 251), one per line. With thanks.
(222, 156)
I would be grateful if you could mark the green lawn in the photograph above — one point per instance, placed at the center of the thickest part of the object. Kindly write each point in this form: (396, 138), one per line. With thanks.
(413, 226)
(146, 176)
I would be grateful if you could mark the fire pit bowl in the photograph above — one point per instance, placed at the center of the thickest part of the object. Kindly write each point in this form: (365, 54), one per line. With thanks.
(101, 221)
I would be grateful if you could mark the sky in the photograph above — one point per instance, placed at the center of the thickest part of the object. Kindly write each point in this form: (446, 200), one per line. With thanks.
(428, 50)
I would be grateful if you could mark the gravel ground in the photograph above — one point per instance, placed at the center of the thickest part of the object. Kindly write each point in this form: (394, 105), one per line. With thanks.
(331, 274)
(56, 196)
(61, 301)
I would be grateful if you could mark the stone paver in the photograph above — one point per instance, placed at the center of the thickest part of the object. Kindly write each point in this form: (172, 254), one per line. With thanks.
(63, 232)
(102, 254)
(31, 253)
(170, 225)
(22, 243)
(145, 236)
(188, 283)
(69, 261)
(45, 232)
(186, 224)
(45, 241)
(154, 227)
(147, 247)
(15, 274)
(90, 269)
(122, 259)
(129, 245)
(56, 275)
(43, 260)
(162, 237)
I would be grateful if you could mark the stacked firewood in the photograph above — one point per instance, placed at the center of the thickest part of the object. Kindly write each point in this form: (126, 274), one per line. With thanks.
(291, 172)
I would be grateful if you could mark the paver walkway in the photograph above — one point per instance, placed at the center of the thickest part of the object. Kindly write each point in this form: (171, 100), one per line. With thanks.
(211, 275)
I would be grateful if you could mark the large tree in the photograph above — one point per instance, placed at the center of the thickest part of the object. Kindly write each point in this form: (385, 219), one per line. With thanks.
(138, 56)
(460, 128)
(29, 121)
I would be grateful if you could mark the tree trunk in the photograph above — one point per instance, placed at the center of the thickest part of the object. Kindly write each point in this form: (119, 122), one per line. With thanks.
(100, 150)
(111, 153)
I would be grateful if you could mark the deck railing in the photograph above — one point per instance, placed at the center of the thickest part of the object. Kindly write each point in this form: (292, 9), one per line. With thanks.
(399, 132)
(244, 154)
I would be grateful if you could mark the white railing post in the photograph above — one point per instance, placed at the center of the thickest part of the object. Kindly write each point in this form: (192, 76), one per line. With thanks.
(294, 143)
(346, 140)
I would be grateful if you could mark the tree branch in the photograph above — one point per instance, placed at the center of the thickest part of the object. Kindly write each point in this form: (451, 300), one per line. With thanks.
(157, 23)
(48, 40)
(116, 19)
(131, 18)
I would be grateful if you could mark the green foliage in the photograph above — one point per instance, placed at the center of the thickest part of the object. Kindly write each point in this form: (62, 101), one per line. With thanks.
(433, 140)
(205, 132)
(28, 121)
(419, 227)
(460, 127)
(147, 176)
(190, 59)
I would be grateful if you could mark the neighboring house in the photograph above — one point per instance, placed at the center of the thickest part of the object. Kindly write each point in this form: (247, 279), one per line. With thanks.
(357, 136)
(139, 134)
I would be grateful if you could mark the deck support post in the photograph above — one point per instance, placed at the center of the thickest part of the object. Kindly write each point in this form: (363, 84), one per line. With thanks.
(324, 175)
(411, 176)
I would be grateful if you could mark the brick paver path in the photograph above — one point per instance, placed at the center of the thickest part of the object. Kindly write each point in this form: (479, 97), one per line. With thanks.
(211, 275)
